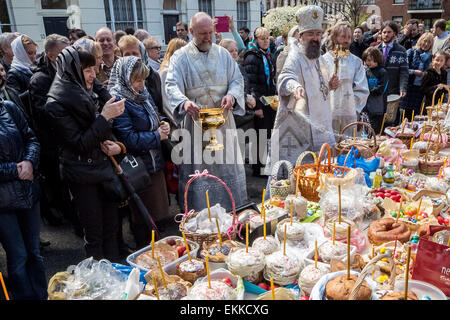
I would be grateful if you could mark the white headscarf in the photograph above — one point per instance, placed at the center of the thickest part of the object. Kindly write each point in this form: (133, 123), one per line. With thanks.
(20, 60)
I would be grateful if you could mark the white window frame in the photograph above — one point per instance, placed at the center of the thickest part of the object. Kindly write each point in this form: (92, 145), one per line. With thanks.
(11, 23)
(247, 22)
(135, 21)
(212, 7)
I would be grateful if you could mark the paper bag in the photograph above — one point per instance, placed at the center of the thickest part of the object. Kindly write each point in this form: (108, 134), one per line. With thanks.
(433, 261)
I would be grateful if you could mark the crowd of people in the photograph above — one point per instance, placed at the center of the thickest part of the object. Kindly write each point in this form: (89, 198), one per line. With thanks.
(69, 112)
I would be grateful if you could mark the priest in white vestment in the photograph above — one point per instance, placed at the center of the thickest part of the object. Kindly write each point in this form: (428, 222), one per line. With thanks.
(303, 120)
(350, 98)
(204, 74)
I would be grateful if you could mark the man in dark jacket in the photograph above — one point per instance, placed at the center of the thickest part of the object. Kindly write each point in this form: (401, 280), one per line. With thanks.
(394, 60)
(374, 23)
(410, 37)
(52, 195)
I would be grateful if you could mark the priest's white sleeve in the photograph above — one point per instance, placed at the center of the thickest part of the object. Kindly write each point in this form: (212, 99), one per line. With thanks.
(174, 86)
(360, 86)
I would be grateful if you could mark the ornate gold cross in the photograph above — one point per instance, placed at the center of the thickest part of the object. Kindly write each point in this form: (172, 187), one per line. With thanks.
(339, 54)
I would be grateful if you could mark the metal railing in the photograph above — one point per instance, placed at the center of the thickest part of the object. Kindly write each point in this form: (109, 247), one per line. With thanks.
(425, 5)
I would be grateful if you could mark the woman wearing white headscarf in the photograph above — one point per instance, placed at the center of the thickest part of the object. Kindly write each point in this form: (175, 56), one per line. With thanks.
(141, 129)
(19, 75)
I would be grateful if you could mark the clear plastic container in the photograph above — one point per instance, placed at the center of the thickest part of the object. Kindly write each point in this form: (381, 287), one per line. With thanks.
(421, 289)
(170, 268)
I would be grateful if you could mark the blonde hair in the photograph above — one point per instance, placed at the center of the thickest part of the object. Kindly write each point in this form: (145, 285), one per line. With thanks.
(27, 41)
(140, 71)
(261, 32)
(174, 45)
(426, 36)
(127, 42)
(335, 31)
(97, 50)
(226, 42)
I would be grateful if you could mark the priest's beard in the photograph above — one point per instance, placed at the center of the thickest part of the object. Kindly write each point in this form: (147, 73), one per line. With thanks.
(312, 49)
(205, 47)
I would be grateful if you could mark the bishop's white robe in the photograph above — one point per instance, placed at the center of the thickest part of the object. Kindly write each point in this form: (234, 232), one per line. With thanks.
(350, 98)
(303, 124)
(205, 78)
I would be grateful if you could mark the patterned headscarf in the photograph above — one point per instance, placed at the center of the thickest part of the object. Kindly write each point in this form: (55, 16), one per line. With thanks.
(84, 43)
(120, 82)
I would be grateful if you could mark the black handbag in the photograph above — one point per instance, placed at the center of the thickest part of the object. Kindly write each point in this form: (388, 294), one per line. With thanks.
(135, 171)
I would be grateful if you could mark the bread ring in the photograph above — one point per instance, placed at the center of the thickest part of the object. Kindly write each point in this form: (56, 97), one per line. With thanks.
(385, 230)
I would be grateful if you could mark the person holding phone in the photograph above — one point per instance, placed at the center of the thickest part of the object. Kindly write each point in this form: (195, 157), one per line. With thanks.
(84, 132)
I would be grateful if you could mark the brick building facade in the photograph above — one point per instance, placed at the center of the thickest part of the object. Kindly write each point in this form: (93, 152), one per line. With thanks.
(426, 11)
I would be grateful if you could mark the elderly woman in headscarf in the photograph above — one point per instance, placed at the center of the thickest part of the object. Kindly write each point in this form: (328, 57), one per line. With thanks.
(141, 129)
(84, 131)
(19, 75)
(130, 46)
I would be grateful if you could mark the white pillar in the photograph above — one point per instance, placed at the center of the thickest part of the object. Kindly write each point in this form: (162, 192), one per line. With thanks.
(285, 3)
(271, 4)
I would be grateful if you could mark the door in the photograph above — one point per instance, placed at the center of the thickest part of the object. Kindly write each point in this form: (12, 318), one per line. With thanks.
(56, 25)
(170, 22)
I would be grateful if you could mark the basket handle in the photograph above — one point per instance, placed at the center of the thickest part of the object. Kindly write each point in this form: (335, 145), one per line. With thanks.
(205, 173)
(303, 155)
(366, 270)
(363, 124)
(435, 91)
(277, 166)
(322, 150)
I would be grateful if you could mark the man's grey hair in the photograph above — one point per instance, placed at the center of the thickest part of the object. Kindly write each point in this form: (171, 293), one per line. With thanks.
(8, 37)
(141, 34)
(52, 40)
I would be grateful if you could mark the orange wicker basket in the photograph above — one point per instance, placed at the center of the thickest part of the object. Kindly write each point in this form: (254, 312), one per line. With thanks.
(307, 175)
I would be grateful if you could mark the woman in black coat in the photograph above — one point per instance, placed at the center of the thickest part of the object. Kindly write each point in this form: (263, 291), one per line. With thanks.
(84, 131)
(260, 69)
(19, 205)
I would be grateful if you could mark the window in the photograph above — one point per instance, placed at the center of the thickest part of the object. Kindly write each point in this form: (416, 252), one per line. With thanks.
(170, 5)
(124, 13)
(54, 4)
(398, 19)
(399, 1)
(205, 6)
(5, 20)
(242, 14)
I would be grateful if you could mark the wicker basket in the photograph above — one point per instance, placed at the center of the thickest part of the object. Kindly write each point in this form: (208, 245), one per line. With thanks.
(368, 268)
(343, 147)
(438, 107)
(280, 191)
(207, 238)
(426, 167)
(438, 145)
(307, 183)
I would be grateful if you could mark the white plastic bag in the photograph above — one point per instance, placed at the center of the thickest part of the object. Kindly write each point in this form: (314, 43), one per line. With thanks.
(133, 287)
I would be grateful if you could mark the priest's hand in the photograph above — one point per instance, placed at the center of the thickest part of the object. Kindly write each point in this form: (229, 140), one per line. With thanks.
(334, 82)
(228, 101)
(190, 107)
(299, 93)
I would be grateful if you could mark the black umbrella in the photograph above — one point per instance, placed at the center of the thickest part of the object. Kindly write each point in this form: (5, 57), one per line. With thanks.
(133, 195)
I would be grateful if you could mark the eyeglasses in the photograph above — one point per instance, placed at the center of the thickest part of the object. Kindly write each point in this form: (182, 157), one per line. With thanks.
(157, 48)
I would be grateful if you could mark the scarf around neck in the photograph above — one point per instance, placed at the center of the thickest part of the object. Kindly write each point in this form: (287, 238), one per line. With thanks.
(21, 61)
(253, 46)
